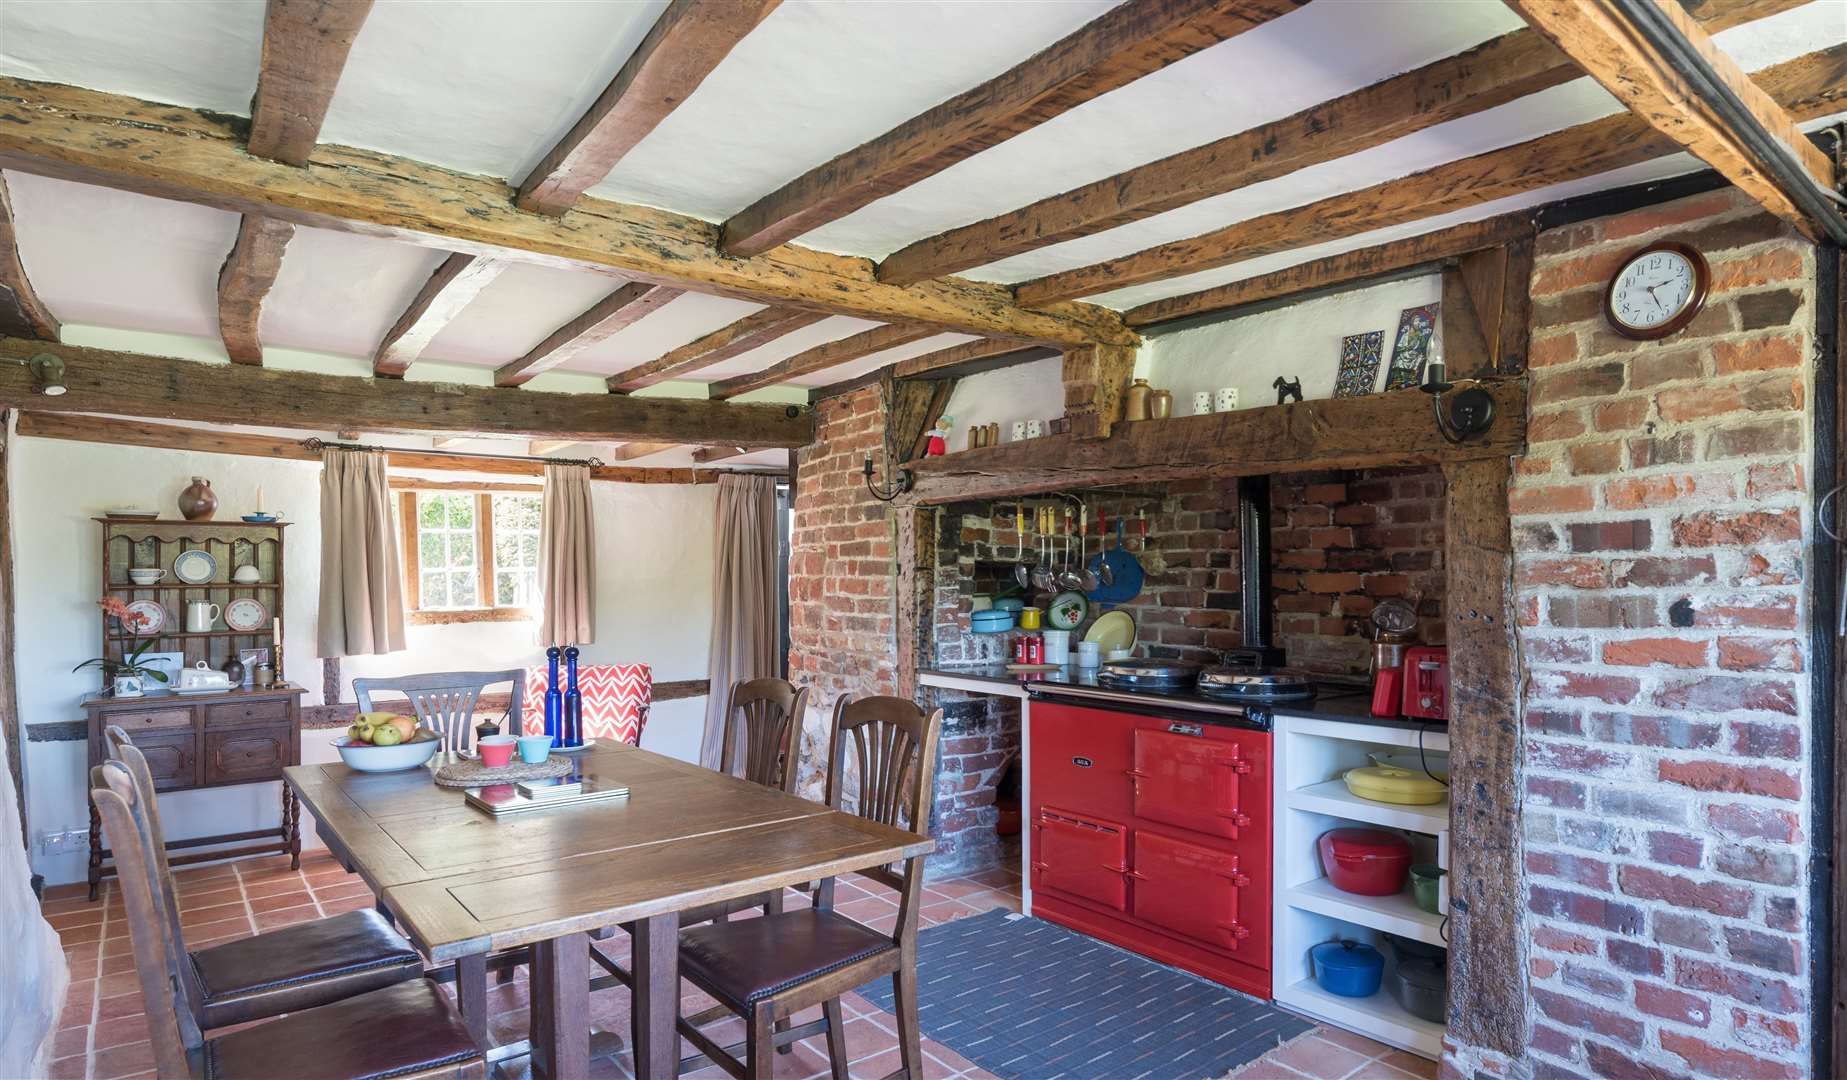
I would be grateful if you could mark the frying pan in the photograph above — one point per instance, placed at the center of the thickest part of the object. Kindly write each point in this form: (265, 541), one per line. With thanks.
(1125, 571)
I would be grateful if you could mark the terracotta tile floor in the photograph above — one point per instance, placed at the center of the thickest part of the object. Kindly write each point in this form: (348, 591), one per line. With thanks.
(103, 1033)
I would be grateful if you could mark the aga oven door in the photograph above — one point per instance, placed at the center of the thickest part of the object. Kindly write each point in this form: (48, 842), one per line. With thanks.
(1198, 892)
(1080, 857)
(1187, 778)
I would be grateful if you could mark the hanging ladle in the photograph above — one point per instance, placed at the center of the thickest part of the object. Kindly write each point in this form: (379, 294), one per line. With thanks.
(1042, 574)
(1020, 572)
(1071, 578)
(1087, 578)
(1104, 573)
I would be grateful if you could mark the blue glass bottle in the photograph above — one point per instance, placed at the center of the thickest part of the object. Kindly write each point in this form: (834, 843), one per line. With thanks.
(554, 697)
(573, 702)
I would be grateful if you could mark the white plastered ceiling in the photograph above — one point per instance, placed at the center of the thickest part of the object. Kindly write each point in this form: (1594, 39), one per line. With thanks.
(488, 86)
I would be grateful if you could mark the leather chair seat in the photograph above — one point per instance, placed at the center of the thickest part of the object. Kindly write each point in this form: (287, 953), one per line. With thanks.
(406, 1028)
(748, 960)
(301, 966)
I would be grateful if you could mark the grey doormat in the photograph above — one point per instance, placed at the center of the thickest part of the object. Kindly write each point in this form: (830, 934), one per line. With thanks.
(1028, 1000)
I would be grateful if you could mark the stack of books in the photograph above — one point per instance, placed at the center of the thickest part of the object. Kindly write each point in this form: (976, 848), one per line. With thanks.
(571, 789)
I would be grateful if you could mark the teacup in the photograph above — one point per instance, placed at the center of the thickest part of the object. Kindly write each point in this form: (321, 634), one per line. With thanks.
(534, 748)
(496, 750)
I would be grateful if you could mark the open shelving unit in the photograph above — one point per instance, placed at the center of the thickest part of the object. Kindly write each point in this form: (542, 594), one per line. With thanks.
(1309, 756)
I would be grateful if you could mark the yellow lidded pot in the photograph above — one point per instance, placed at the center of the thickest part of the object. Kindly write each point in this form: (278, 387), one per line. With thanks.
(1382, 783)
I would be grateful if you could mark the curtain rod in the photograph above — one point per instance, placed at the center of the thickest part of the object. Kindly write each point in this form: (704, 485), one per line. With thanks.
(317, 445)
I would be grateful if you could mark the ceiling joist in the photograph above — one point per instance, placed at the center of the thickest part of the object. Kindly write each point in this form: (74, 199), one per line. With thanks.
(1134, 39)
(455, 283)
(953, 357)
(130, 384)
(631, 451)
(196, 156)
(705, 455)
(685, 44)
(1491, 74)
(244, 282)
(1809, 86)
(822, 357)
(753, 331)
(619, 309)
(22, 314)
(1644, 52)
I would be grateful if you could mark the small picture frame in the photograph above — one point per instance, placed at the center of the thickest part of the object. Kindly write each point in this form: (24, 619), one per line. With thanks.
(251, 658)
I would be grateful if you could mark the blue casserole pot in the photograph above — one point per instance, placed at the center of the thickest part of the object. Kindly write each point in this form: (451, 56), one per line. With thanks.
(991, 621)
(1348, 968)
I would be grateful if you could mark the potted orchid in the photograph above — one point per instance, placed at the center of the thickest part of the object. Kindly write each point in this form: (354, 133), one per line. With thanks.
(127, 675)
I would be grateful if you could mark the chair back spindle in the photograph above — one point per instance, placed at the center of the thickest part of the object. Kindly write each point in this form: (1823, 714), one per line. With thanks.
(768, 715)
(894, 746)
(444, 701)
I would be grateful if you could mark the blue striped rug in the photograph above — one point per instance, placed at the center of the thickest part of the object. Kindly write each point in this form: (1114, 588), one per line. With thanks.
(1028, 1000)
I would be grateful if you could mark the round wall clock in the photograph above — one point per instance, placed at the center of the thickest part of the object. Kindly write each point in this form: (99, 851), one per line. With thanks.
(1657, 291)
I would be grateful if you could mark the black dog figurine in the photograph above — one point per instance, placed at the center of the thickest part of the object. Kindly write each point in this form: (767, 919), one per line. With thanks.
(1287, 388)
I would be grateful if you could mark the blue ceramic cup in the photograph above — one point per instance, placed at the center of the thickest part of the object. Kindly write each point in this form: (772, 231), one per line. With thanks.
(534, 748)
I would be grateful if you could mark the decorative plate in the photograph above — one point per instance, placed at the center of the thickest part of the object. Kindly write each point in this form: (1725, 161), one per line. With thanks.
(1113, 630)
(195, 567)
(246, 615)
(131, 513)
(1066, 610)
(154, 617)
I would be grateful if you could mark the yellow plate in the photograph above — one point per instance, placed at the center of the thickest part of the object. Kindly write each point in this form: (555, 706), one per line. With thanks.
(1113, 630)
(1388, 785)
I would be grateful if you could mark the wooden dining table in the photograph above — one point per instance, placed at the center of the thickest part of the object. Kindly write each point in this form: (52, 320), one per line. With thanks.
(462, 883)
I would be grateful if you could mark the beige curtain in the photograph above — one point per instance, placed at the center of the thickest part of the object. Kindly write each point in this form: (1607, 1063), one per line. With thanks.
(362, 588)
(567, 558)
(744, 629)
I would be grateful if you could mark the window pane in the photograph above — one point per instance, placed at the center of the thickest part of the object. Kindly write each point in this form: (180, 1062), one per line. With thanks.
(506, 589)
(461, 511)
(435, 590)
(506, 547)
(529, 550)
(462, 589)
(530, 580)
(461, 550)
(430, 511)
(430, 550)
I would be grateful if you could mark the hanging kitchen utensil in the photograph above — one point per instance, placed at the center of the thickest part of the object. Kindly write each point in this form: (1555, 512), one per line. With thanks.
(1125, 574)
(1069, 577)
(1020, 572)
(1087, 577)
(1098, 564)
(1042, 574)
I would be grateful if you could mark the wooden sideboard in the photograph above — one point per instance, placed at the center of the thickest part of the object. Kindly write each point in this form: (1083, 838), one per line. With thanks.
(206, 741)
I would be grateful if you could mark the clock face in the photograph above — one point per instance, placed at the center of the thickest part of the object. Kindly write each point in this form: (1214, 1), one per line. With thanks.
(1657, 292)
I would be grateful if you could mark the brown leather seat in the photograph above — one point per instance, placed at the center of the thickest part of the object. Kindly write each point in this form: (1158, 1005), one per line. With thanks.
(407, 1028)
(746, 961)
(299, 967)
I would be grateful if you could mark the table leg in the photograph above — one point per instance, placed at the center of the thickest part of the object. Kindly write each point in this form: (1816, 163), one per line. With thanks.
(291, 824)
(471, 995)
(561, 1007)
(656, 997)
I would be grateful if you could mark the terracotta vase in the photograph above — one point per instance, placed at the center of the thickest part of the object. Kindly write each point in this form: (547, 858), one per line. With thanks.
(198, 503)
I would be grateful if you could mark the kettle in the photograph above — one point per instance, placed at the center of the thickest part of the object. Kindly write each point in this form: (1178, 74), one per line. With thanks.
(202, 677)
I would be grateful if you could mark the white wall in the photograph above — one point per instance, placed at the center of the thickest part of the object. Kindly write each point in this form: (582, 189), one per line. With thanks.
(1033, 391)
(1296, 341)
(654, 605)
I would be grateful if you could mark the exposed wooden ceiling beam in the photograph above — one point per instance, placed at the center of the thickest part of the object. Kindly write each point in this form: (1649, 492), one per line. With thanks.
(955, 357)
(129, 384)
(822, 357)
(1809, 86)
(611, 314)
(101, 429)
(1611, 43)
(1129, 41)
(305, 43)
(197, 156)
(22, 314)
(705, 455)
(631, 451)
(1335, 271)
(753, 331)
(447, 442)
(452, 286)
(686, 42)
(541, 447)
(244, 282)
(1491, 74)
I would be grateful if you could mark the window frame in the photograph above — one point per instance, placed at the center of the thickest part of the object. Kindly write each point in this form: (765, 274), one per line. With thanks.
(410, 531)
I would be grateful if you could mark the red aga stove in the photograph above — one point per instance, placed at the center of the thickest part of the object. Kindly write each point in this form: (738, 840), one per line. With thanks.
(1150, 801)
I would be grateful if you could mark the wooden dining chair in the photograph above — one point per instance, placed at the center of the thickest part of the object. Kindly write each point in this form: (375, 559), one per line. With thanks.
(407, 1029)
(444, 701)
(766, 969)
(277, 971)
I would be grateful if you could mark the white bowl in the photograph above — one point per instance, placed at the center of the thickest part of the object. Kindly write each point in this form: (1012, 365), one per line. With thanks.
(364, 757)
(146, 576)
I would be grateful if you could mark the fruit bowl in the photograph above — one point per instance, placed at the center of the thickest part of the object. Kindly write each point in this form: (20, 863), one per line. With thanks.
(364, 757)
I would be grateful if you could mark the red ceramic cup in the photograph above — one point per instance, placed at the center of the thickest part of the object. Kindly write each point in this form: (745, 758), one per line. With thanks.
(496, 750)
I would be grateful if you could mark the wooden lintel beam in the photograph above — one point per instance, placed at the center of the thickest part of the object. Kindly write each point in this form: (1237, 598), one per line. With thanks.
(953, 356)
(822, 357)
(22, 313)
(1334, 271)
(101, 429)
(1606, 41)
(305, 44)
(753, 331)
(619, 309)
(685, 44)
(1511, 66)
(130, 384)
(1095, 379)
(631, 451)
(1809, 86)
(1134, 39)
(244, 282)
(705, 455)
(447, 442)
(451, 287)
(197, 156)
(1373, 431)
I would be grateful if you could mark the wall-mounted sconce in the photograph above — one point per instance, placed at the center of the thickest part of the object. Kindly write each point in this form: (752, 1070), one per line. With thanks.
(1463, 410)
(47, 372)
(892, 490)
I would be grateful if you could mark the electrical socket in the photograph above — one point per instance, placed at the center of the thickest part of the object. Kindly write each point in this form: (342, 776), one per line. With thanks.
(68, 842)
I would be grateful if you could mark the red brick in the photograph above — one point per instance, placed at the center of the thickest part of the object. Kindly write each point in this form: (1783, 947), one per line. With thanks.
(1572, 1012)
(1675, 849)
(1556, 650)
(1779, 264)
(1679, 212)
(1762, 865)
(1598, 982)
(1636, 958)
(1574, 758)
(1759, 354)
(1613, 689)
(1559, 386)
(1550, 1040)
(1644, 652)
(1577, 869)
(1595, 459)
(1725, 693)
(1745, 822)
(1671, 1004)
(1737, 779)
(1556, 940)
(1633, 535)
(1761, 740)
(1690, 403)
(1709, 1060)
(1764, 481)
(1554, 426)
(1635, 493)
(1770, 951)
(1592, 269)
(1760, 654)
(1716, 897)
(1755, 440)
(1585, 910)
(1547, 791)
(1658, 571)
(1760, 612)
(1555, 499)
(1580, 573)
(1766, 1033)
(1550, 349)
(1625, 414)
(1654, 368)
(1746, 529)
(1683, 930)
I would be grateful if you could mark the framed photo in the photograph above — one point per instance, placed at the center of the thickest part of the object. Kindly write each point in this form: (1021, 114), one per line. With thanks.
(251, 658)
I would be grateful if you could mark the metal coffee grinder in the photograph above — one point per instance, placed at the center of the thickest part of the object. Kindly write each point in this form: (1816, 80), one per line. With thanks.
(1394, 631)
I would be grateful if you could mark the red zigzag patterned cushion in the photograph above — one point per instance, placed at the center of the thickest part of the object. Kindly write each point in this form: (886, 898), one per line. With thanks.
(616, 700)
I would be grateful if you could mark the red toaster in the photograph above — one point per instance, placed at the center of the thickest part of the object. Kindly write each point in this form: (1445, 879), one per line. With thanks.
(1426, 682)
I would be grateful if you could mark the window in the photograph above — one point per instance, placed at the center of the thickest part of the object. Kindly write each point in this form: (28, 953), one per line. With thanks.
(471, 556)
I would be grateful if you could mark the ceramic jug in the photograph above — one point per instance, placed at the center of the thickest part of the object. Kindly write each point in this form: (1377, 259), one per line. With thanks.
(200, 615)
(198, 502)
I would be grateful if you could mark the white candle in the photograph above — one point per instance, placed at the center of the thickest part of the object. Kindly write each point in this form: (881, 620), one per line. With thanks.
(259, 498)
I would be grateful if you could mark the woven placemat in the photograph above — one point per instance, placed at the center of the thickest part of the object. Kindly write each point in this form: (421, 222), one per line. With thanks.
(475, 774)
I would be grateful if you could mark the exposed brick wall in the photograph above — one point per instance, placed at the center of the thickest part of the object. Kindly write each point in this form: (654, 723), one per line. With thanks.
(1660, 518)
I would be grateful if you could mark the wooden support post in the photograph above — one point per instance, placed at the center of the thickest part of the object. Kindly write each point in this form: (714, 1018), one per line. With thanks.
(1487, 968)
(1516, 307)
(1465, 340)
(1096, 377)
(914, 550)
